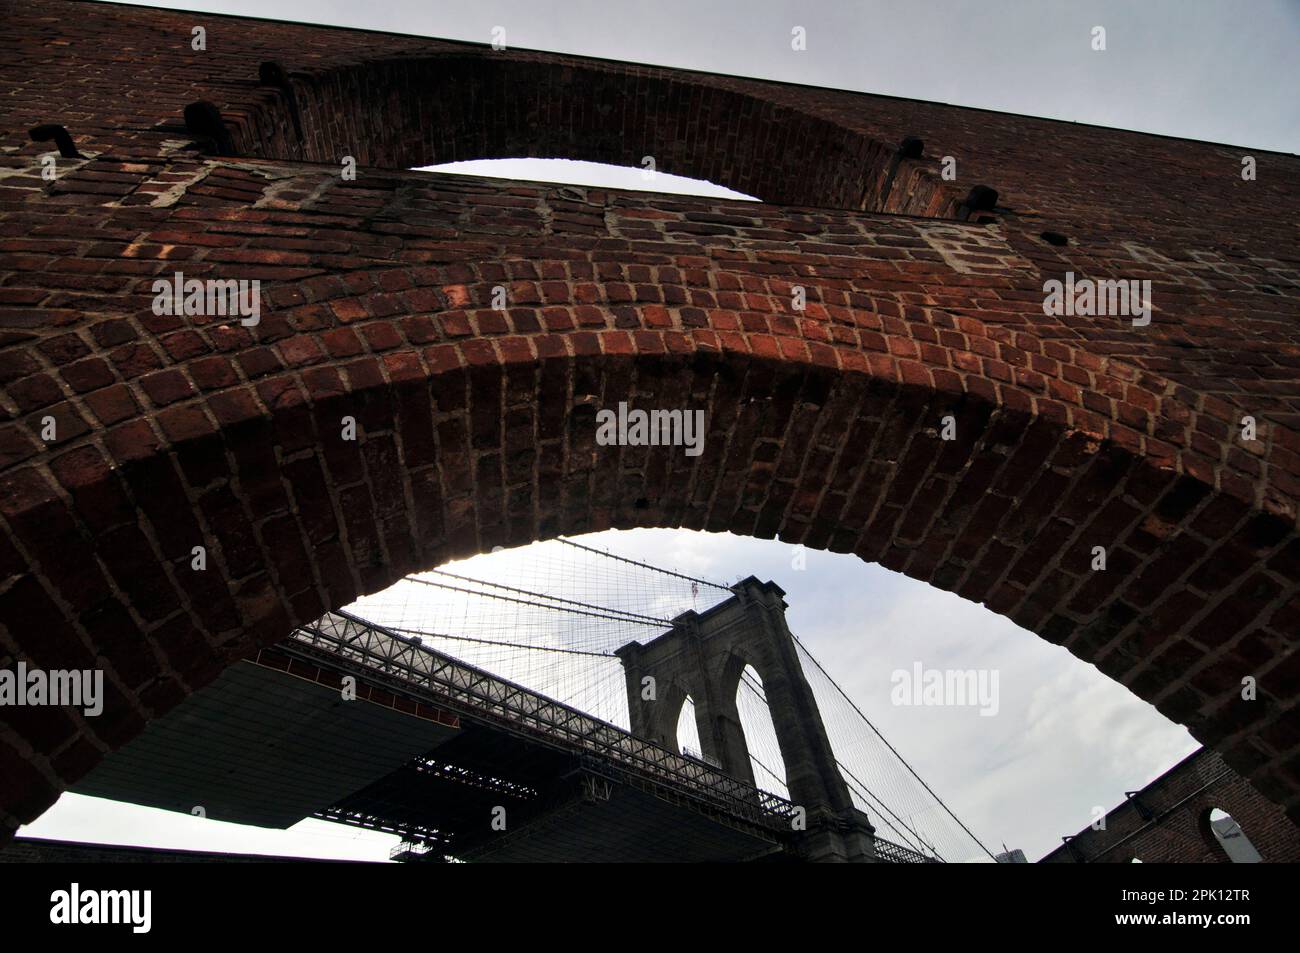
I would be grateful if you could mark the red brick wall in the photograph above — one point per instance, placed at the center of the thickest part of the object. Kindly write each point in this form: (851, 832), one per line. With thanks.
(477, 426)
(1174, 828)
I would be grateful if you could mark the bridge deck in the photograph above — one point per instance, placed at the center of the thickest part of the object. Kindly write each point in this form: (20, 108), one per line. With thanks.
(430, 748)
(257, 747)
(373, 652)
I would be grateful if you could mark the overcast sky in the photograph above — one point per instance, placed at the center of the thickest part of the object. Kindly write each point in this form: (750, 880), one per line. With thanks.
(1065, 739)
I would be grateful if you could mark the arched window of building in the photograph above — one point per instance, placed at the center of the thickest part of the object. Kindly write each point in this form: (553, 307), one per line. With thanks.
(1224, 833)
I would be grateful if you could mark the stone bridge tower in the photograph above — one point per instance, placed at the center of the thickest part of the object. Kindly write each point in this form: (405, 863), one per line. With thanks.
(703, 656)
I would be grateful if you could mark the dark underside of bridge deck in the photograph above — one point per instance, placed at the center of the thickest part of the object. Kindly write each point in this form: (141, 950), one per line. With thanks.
(263, 747)
(628, 825)
(555, 809)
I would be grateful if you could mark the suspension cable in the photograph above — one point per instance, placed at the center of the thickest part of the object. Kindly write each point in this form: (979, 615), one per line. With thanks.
(513, 645)
(894, 750)
(632, 616)
(666, 572)
(603, 614)
(774, 775)
(748, 682)
(884, 807)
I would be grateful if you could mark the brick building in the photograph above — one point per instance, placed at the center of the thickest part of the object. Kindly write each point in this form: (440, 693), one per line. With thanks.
(1169, 821)
(129, 437)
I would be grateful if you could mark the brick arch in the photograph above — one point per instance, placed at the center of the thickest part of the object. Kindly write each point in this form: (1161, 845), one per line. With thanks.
(477, 426)
(1210, 845)
(467, 447)
(408, 111)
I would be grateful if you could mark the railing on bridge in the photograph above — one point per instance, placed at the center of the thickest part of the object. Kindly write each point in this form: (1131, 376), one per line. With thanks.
(409, 850)
(377, 653)
(890, 853)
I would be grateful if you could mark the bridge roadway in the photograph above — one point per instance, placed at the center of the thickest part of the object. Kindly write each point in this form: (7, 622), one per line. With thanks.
(430, 750)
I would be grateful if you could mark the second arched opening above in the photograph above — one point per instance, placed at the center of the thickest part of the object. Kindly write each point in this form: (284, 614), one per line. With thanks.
(401, 113)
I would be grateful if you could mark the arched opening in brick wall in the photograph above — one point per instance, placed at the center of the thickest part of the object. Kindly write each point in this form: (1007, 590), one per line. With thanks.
(588, 174)
(463, 448)
(1225, 837)
(414, 112)
(912, 414)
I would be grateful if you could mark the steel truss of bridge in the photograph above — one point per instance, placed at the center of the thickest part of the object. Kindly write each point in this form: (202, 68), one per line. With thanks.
(461, 748)
(617, 796)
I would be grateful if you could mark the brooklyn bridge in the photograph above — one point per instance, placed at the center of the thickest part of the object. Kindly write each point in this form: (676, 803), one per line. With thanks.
(576, 756)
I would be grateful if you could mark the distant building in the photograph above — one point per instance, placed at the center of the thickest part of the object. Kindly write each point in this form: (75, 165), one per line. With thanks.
(1193, 813)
